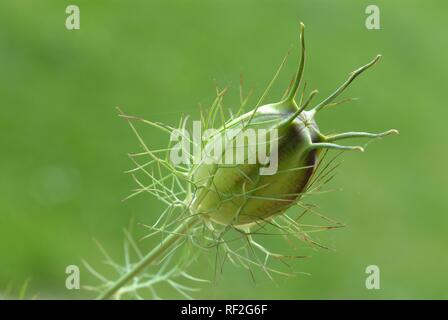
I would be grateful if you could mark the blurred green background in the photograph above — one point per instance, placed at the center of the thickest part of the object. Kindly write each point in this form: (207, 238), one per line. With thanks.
(63, 148)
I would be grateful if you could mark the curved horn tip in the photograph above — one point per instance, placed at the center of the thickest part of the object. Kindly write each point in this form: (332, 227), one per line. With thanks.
(377, 58)
(394, 131)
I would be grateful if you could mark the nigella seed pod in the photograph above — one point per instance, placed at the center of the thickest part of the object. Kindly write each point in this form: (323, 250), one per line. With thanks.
(253, 168)
(240, 194)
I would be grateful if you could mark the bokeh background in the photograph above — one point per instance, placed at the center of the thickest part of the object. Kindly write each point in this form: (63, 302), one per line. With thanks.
(63, 148)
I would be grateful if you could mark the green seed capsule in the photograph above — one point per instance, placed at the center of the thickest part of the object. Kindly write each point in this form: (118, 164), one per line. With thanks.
(253, 169)
(240, 194)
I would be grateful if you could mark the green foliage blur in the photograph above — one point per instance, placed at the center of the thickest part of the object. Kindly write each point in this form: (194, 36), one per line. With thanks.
(64, 149)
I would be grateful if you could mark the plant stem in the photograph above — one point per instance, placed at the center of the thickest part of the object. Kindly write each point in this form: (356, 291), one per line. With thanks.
(151, 257)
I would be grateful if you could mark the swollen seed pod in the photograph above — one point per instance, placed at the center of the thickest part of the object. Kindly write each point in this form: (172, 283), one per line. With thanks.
(239, 194)
(239, 188)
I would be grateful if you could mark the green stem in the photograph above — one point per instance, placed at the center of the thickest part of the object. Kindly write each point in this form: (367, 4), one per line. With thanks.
(151, 257)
